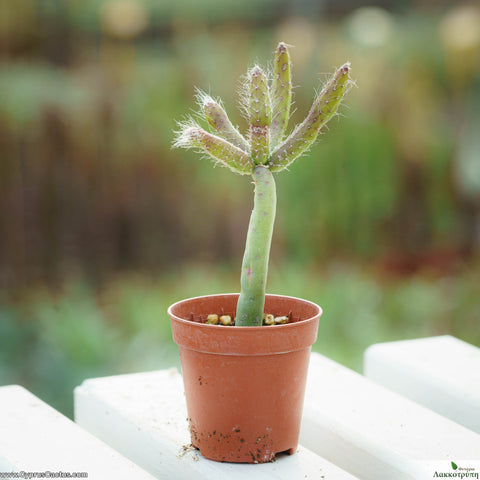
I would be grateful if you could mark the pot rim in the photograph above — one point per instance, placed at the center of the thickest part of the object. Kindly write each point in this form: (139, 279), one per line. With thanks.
(252, 329)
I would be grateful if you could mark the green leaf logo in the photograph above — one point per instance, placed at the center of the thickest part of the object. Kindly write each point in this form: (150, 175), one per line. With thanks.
(454, 466)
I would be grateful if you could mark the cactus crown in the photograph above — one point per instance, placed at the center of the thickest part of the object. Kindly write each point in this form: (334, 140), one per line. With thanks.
(267, 106)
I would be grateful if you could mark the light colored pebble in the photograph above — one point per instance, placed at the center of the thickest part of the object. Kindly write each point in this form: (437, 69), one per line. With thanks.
(212, 319)
(268, 319)
(226, 320)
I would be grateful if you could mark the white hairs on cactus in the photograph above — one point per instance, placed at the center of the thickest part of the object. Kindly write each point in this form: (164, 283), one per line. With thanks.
(218, 120)
(191, 135)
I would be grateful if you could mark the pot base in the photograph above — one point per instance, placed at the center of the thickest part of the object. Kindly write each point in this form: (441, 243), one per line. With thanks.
(240, 449)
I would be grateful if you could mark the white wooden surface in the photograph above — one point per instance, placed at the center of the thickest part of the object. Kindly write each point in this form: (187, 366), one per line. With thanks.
(143, 416)
(442, 373)
(375, 433)
(36, 438)
(350, 424)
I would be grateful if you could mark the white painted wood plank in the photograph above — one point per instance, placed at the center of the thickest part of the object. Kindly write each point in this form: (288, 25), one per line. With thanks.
(143, 416)
(375, 433)
(442, 373)
(34, 437)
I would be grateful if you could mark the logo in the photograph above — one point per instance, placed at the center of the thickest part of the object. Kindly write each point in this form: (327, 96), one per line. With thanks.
(457, 472)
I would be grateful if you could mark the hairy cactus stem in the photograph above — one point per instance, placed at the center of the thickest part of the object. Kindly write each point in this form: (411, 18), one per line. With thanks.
(218, 119)
(323, 109)
(222, 151)
(281, 93)
(260, 115)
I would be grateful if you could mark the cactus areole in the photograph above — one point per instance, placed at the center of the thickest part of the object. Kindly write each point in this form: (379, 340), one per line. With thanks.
(267, 148)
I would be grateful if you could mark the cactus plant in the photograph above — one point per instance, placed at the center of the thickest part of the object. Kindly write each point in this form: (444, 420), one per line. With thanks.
(265, 150)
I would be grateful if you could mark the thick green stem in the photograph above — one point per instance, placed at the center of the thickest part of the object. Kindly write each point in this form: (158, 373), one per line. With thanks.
(257, 250)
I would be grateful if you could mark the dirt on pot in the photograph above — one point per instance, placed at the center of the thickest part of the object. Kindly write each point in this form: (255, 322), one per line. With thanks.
(261, 452)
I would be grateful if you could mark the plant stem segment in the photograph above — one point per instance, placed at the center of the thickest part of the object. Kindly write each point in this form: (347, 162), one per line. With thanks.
(323, 109)
(260, 115)
(257, 250)
(281, 93)
(219, 121)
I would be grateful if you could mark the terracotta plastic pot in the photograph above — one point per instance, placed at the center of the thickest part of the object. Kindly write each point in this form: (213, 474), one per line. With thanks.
(244, 386)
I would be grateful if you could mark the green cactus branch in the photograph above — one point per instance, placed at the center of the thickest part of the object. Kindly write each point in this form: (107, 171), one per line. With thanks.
(323, 109)
(227, 154)
(217, 118)
(259, 115)
(281, 95)
(263, 151)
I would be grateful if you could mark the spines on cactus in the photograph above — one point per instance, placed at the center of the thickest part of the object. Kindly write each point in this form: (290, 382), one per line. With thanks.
(263, 151)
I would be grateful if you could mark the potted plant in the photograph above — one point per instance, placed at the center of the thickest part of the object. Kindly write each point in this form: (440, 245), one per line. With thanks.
(245, 356)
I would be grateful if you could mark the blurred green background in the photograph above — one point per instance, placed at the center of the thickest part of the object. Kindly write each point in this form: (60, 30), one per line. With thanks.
(103, 225)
